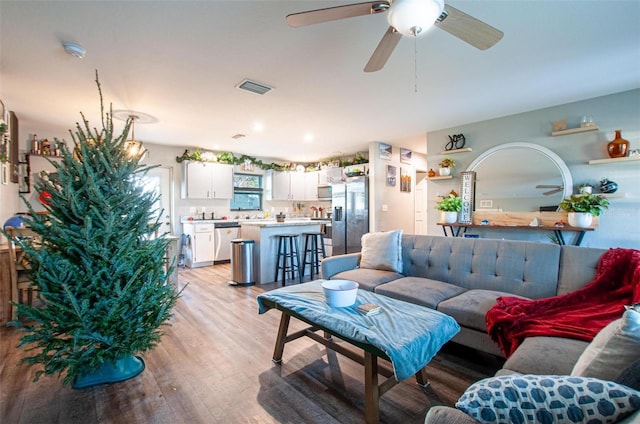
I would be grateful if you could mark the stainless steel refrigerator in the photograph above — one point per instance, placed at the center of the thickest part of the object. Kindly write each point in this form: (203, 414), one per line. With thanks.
(350, 220)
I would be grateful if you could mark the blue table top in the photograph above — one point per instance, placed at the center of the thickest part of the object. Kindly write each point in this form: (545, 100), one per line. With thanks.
(410, 335)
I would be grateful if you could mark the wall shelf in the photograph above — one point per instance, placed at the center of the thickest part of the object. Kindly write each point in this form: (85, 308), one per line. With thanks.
(614, 160)
(444, 177)
(452, 152)
(575, 130)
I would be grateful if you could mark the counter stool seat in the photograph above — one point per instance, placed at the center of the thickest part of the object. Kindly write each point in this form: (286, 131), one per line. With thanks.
(287, 257)
(314, 251)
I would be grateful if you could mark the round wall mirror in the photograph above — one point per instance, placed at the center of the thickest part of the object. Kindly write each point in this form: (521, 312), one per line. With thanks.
(522, 177)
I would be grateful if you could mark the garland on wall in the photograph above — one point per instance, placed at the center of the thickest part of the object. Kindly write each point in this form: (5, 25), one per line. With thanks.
(231, 159)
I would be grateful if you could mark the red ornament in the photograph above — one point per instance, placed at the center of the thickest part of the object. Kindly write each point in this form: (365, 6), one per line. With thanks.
(45, 197)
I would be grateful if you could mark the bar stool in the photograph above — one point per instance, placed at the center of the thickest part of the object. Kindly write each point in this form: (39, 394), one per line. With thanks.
(313, 248)
(287, 257)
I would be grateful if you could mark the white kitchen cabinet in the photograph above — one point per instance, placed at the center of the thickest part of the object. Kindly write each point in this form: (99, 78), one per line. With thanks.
(311, 185)
(294, 185)
(202, 180)
(201, 247)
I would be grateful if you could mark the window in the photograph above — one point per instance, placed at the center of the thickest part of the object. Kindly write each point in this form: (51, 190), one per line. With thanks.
(247, 192)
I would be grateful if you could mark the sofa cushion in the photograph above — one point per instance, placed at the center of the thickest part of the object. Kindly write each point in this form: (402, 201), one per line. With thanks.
(531, 356)
(368, 278)
(613, 349)
(630, 377)
(577, 267)
(469, 308)
(548, 399)
(516, 267)
(421, 291)
(382, 250)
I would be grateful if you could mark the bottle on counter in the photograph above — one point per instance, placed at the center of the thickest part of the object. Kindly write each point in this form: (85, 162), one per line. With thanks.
(35, 145)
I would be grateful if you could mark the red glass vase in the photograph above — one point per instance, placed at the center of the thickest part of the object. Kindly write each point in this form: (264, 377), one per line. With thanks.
(618, 147)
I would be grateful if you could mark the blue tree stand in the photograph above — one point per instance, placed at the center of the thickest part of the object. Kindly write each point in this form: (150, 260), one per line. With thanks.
(112, 372)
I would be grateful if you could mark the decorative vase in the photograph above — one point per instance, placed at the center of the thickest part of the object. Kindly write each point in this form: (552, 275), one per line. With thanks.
(112, 372)
(580, 219)
(448, 217)
(444, 171)
(607, 186)
(618, 147)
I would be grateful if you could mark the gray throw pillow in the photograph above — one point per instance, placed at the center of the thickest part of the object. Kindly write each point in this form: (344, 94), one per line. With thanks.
(382, 250)
(630, 377)
(613, 349)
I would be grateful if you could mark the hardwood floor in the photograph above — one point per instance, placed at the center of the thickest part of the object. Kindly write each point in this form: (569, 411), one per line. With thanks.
(214, 365)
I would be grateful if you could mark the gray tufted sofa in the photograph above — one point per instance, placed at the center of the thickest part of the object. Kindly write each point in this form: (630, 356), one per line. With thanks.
(463, 278)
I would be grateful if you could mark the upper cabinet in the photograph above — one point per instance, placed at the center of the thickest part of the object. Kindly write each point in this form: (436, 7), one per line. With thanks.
(203, 180)
(294, 185)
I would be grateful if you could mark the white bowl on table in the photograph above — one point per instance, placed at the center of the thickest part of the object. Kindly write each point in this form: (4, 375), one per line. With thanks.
(340, 293)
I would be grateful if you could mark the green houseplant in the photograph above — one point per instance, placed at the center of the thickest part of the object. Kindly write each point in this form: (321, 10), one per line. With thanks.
(445, 166)
(582, 208)
(449, 208)
(100, 274)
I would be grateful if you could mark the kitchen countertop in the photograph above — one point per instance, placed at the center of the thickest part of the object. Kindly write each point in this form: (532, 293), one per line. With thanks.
(287, 222)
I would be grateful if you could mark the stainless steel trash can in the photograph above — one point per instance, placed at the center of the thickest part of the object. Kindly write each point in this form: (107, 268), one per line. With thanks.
(242, 269)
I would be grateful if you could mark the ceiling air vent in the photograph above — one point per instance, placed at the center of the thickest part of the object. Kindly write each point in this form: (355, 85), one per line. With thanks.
(254, 87)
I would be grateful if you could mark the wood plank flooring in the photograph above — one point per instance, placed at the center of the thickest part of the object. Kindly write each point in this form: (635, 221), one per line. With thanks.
(214, 366)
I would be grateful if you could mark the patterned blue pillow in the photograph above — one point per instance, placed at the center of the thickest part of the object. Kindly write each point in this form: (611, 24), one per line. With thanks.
(552, 399)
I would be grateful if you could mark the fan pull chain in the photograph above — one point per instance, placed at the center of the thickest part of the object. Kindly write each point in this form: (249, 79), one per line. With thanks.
(415, 64)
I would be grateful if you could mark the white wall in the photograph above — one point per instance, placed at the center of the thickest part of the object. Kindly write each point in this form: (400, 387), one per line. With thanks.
(399, 213)
(620, 224)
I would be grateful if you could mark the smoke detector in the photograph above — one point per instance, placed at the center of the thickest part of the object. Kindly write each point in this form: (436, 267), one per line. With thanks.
(75, 50)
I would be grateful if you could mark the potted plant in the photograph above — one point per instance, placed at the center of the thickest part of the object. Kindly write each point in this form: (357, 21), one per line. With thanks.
(445, 166)
(586, 188)
(582, 208)
(100, 273)
(449, 208)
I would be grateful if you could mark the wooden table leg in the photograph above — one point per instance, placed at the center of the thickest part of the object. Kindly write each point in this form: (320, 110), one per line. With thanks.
(282, 337)
(371, 389)
(421, 377)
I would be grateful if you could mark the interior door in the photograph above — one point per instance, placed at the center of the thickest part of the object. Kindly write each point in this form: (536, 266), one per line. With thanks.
(159, 180)
(421, 203)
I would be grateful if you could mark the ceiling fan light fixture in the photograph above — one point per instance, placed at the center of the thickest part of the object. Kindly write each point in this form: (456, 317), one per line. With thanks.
(414, 17)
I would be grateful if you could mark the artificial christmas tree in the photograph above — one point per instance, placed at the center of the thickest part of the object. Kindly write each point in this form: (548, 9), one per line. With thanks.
(99, 271)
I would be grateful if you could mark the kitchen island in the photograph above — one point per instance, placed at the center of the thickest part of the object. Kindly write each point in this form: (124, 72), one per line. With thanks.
(263, 232)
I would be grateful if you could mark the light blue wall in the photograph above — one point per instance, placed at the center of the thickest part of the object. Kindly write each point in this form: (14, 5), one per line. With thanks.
(620, 224)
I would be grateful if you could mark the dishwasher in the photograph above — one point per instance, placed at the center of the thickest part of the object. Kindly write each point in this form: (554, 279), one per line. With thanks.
(224, 232)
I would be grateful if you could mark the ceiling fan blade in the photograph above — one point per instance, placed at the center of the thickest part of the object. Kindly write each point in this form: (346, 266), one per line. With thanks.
(550, 192)
(383, 51)
(549, 186)
(469, 29)
(318, 16)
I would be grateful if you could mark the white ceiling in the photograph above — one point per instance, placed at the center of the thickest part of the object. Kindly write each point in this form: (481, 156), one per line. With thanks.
(179, 62)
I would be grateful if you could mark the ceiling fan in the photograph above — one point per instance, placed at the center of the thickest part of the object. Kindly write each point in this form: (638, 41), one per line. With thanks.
(556, 189)
(406, 17)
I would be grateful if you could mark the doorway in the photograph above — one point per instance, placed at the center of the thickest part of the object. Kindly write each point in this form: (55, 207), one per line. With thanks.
(159, 181)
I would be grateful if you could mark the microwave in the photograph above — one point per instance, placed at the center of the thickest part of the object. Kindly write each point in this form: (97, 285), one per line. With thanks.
(324, 192)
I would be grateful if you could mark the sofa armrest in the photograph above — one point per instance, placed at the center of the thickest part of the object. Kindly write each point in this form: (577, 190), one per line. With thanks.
(336, 264)
(447, 415)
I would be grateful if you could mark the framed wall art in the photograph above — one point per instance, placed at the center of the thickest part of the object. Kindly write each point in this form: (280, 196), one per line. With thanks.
(391, 175)
(405, 155)
(385, 151)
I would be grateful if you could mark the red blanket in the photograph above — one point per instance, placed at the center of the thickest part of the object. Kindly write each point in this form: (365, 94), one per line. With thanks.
(578, 315)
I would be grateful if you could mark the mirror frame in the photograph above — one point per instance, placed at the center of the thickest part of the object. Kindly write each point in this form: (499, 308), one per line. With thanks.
(557, 161)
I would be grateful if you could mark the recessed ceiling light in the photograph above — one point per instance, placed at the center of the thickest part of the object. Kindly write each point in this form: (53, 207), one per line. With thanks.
(74, 49)
(308, 137)
(258, 127)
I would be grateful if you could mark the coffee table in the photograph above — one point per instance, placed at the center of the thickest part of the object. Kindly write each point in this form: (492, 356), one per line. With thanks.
(405, 334)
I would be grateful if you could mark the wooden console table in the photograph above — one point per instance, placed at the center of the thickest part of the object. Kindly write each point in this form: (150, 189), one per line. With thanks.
(458, 230)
